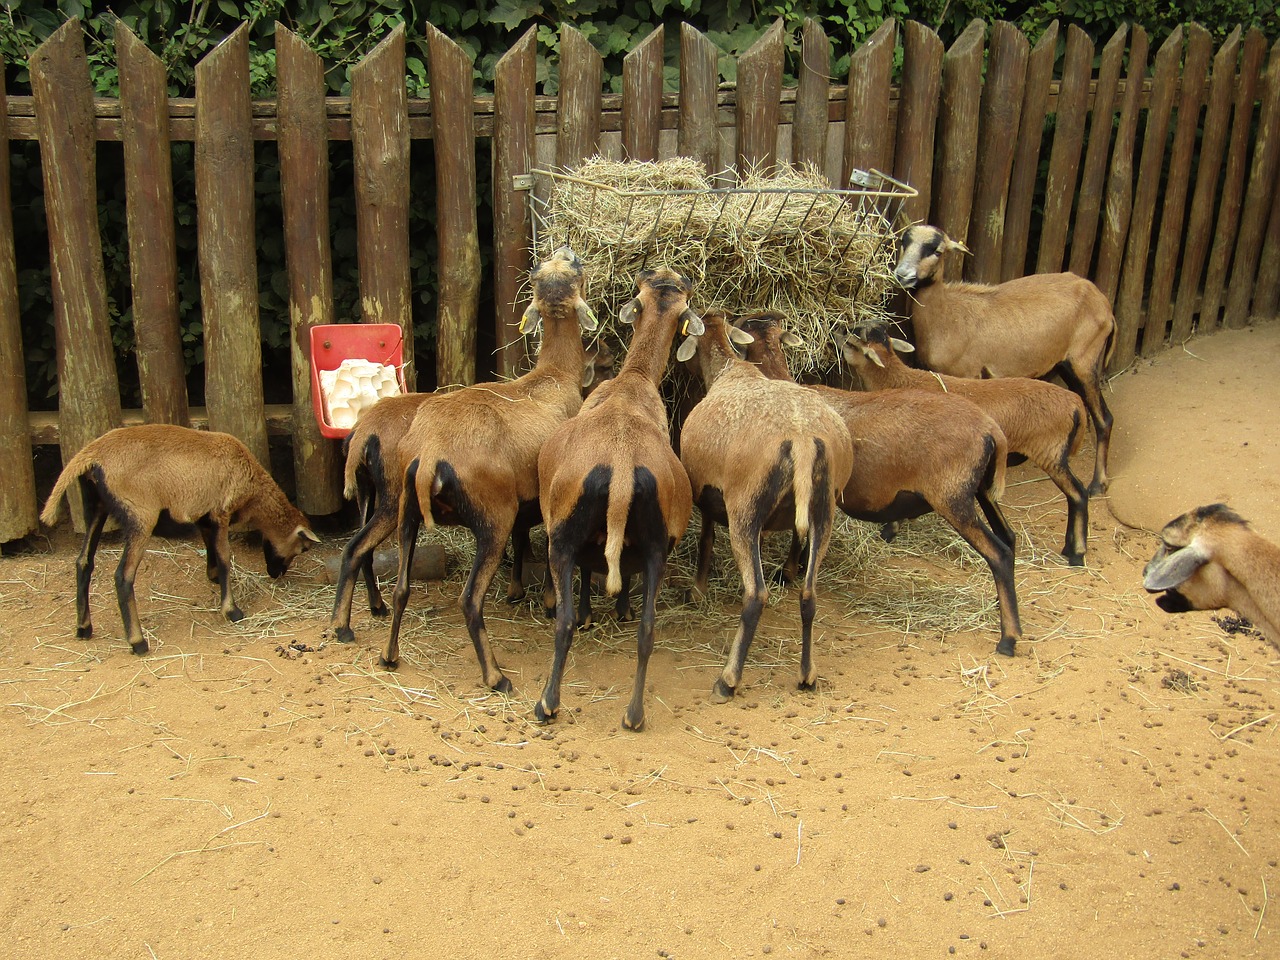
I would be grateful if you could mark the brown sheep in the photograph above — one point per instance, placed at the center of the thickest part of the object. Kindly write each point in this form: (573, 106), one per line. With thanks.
(470, 457)
(1028, 327)
(172, 480)
(1210, 558)
(614, 495)
(761, 455)
(913, 453)
(1042, 421)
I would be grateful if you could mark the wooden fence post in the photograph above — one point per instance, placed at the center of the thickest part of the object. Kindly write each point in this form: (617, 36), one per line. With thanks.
(1263, 184)
(1266, 296)
(304, 189)
(1064, 156)
(578, 103)
(1026, 159)
(514, 79)
(1195, 241)
(642, 98)
(454, 138)
(1119, 196)
(868, 139)
(1089, 206)
(1133, 278)
(809, 131)
(88, 390)
(1001, 111)
(1255, 48)
(759, 91)
(228, 245)
(1160, 296)
(699, 135)
(918, 115)
(18, 491)
(956, 164)
(380, 149)
(153, 249)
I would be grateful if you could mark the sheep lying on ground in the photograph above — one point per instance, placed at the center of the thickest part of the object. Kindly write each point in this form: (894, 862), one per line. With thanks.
(470, 457)
(761, 455)
(613, 492)
(1210, 558)
(916, 452)
(1029, 327)
(1041, 421)
(172, 481)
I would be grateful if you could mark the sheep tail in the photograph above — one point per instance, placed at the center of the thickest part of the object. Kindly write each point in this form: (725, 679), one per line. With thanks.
(77, 465)
(804, 460)
(1111, 347)
(354, 444)
(621, 489)
(999, 463)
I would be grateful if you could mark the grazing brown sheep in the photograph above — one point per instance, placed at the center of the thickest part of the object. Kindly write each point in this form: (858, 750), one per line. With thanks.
(613, 492)
(1210, 558)
(1028, 327)
(172, 480)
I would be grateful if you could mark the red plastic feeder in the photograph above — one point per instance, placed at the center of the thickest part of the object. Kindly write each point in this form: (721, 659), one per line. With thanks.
(331, 343)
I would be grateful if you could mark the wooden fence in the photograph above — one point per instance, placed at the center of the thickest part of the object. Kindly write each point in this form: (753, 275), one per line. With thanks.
(1190, 238)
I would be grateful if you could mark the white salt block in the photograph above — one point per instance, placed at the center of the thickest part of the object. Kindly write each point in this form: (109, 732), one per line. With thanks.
(341, 415)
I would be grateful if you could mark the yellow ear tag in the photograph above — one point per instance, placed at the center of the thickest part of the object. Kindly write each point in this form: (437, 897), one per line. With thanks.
(684, 329)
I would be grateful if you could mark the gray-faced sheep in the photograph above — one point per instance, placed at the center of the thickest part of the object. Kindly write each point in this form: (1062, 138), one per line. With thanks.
(1028, 327)
(915, 452)
(1042, 421)
(1210, 558)
(761, 455)
(470, 457)
(172, 481)
(613, 492)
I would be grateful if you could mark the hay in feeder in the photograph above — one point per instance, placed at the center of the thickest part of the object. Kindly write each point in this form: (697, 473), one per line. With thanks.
(822, 257)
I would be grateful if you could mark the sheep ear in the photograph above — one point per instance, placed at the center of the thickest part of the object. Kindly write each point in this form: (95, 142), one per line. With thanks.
(529, 320)
(901, 345)
(738, 335)
(692, 324)
(588, 373)
(628, 314)
(874, 357)
(587, 317)
(789, 339)
(1168, 571)
(687, 349)
(306, 534)
(956, 245)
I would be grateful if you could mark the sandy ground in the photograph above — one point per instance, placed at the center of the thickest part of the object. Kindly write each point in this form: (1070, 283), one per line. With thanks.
(248, 791)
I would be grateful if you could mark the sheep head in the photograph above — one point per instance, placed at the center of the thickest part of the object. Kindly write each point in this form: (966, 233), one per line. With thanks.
(764, 349)
(1183, 570)
(920, 255)
(871, 343)
(279, 554)
(558, 280)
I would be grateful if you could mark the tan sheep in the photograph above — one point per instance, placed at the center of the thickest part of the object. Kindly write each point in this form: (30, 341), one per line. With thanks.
(761, 455)
(1042, 421)
(470, 457)
(916, 452)
(1210, 558)
(1028, 327)
(173, 481)
(614, 495)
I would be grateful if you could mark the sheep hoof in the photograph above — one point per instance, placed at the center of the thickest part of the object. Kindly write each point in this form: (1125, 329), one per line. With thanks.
(515, 596)
(235, 614)
(586, 624)
(542, 714)
(782, 577)
(504, 686)
(807, 686)
(1097, 488)
(1005, 646)
(721, 692)
(84, 633)
(140, 647)
(344, 635)
(889, 531)
(1074, 559)
(380, 610)
(386, 664)
(634, 724)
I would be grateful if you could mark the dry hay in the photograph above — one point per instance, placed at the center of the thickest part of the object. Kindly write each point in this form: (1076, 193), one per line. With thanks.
(822, 257)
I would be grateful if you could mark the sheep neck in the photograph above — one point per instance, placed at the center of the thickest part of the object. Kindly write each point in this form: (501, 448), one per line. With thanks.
(1255, 563)
(561, 349)
(651, 344)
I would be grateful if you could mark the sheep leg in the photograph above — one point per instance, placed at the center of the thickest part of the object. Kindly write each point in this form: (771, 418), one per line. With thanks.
(998, 554)
(371, 507)
(792, 565)
(491, 534)
(135, 548)
(1089, 386)
(706, 547)
(560, 567)
(410, 522)
(357, 555)
(622, 606)
(584, 616)
(519, 548)
(745, 540)
(1077, 510)
(95, 518)
(222, 553)
(820, 520)
(655, 569)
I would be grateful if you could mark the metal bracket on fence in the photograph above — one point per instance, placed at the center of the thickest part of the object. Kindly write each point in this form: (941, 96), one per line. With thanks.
(522, 181)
